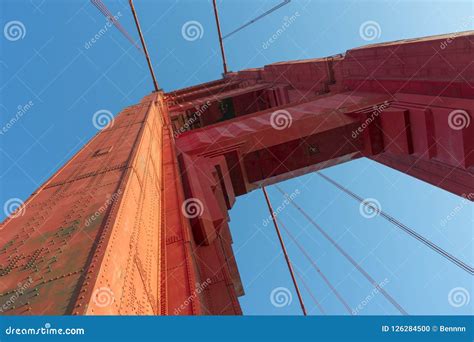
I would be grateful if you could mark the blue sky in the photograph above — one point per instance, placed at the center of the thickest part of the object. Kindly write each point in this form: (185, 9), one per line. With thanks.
(67, 83)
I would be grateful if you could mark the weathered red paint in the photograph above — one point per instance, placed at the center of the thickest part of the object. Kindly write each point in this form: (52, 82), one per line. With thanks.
(213, 142)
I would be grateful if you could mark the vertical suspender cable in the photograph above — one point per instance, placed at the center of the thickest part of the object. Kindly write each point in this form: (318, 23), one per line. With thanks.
(346, 255)
(310, 292)
(221, 43)
(317, 269)
(287, 258)
(145, 50)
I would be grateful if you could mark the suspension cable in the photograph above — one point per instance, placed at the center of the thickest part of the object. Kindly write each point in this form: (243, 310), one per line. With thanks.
(305, 285)
(316, 267)
(145, 50)
(282, 244)
(345, 254)
(283, 3)
(111, 18)
(403, 227)
(221, 43)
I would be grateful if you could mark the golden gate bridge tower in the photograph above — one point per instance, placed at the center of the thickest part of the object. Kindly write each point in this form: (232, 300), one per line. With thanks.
(139, 216)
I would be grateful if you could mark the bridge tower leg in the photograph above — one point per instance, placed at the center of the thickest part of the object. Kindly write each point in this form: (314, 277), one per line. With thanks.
(106, 233)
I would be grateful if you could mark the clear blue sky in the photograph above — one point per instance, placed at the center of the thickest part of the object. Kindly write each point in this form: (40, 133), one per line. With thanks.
(68, 83)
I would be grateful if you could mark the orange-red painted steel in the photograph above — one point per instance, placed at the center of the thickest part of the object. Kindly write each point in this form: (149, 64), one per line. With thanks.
(221, 42)
(285, 253)
(110, 233)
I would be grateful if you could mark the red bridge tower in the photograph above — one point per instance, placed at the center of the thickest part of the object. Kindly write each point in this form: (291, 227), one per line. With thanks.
(136, 222)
